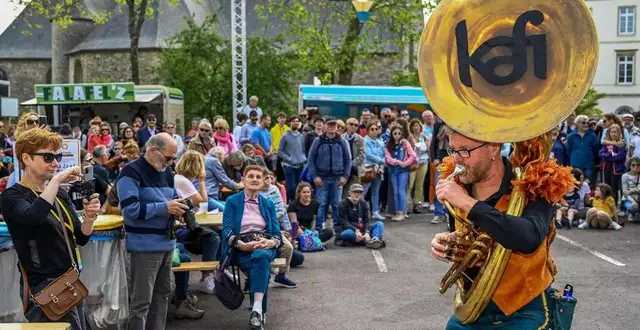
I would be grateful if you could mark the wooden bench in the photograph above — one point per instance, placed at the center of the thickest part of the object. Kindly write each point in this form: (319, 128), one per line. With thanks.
(196, 266)
(35, 326)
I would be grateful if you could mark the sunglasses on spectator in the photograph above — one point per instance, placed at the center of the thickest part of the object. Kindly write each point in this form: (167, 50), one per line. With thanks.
(48, 157)
(373, 129)
(33, 122)
(205, 130)
(352, 124)
(168, 159)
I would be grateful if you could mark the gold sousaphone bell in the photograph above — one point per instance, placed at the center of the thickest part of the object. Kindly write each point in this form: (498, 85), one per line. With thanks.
(503, 71)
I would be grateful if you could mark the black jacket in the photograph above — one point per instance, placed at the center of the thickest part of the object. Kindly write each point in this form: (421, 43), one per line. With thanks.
(434, 151)
(353, 216)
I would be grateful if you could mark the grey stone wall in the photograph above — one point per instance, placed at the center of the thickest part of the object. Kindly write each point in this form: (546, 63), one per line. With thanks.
(113, 66)
(383, 68)
(23, 74)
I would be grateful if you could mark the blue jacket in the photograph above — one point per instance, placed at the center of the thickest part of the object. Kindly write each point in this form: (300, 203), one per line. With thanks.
(374, 151)
(143, 135)
(329, 158)
(582, 149)
(144, 193)
(234, 211)
(215, 176)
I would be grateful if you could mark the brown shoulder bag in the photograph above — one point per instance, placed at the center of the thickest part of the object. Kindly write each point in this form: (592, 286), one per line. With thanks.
(64, 293)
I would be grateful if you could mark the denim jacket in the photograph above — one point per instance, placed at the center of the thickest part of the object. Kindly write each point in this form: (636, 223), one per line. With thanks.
(374, 151)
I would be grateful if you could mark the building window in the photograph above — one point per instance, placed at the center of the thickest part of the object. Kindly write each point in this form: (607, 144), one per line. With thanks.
(626, 63)
(5, 84)
(627, 21)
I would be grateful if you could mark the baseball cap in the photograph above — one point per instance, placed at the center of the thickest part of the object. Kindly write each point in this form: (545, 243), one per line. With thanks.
(331, 120)
(356, 187)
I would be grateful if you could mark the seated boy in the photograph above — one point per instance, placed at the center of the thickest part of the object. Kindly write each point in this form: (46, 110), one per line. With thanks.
(352, 225)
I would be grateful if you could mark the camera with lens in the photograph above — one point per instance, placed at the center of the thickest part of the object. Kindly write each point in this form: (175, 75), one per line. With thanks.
(189, 217)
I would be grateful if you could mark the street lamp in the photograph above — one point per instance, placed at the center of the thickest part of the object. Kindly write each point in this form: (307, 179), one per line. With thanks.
(362, 9)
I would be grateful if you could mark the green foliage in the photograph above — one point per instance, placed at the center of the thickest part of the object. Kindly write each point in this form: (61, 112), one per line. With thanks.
(589, 104)
(327, 39)
(198, 61)
(406, 78)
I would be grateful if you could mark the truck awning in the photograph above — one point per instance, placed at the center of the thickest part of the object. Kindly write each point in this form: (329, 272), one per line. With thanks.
(363, 94)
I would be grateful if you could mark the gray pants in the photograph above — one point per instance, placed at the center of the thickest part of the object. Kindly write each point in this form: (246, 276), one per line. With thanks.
(150, 290)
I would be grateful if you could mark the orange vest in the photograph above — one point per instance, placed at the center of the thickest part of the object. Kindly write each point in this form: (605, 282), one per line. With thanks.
(526, 276)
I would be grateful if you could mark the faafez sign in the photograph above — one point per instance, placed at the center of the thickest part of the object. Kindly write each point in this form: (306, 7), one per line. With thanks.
(85, 93)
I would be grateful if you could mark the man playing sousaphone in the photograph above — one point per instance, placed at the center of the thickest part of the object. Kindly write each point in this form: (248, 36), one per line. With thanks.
(495, 72)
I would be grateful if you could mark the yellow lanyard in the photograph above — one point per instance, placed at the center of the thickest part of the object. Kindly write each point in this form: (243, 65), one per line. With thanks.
(64, 209)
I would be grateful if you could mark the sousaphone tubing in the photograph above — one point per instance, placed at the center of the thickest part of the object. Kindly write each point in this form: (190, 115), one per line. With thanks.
(504, 72)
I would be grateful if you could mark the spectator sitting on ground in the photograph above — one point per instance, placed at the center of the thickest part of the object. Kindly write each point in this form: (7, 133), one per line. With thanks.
(250, 226)
(352, 227)
(631, 188)
(566, 213)
(604, 211)
(272, 193)
(303, 210)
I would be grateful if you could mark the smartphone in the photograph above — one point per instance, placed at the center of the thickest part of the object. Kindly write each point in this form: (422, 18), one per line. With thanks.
(88, 184)
(42, 119)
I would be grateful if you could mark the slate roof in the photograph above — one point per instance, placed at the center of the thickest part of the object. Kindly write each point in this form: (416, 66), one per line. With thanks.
(21, 41)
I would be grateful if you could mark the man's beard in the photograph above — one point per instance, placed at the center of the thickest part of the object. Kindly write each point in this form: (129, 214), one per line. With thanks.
(475, 174)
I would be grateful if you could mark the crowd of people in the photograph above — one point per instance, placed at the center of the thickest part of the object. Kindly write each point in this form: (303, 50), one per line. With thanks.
(279, 187)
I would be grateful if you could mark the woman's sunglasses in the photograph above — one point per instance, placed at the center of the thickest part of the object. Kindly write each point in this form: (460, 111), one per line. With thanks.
(33, 122)
(48, 157)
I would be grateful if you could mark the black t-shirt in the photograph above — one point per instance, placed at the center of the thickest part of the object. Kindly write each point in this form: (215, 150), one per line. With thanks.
(37, 235)
(304, 213)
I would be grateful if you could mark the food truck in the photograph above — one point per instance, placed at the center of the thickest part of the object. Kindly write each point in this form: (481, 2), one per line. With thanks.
(349, 101)
(77, 104)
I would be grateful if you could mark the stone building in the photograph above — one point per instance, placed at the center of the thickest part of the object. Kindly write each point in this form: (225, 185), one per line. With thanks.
(87, 52)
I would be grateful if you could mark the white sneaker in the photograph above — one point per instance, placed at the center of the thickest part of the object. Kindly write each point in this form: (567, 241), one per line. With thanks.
(207, 286)
(437, 220)
(432, 208)
(615, 226)
(425, 205)
(377, 216)
(583, 225)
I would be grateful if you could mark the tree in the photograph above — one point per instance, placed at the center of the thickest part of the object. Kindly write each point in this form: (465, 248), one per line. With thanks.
(62, 13)
(588, 105)
(406, 78)
(329, 40)
(198, 61)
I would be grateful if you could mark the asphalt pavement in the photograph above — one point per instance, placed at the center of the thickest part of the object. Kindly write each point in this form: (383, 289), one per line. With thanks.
(344, 288)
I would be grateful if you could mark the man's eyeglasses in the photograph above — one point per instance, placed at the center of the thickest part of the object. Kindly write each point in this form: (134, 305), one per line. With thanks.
(48, 157)
(33, 122)
(168, 159)
(463, 153)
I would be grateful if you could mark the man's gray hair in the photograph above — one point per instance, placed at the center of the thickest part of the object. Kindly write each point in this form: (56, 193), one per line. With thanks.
(236, 157)
(158, 141)
(99, 150)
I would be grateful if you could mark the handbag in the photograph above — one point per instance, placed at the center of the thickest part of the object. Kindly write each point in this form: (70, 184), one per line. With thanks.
(64, 293)
(309, 241)
(369, 175)
(561, 308)
(227, 289)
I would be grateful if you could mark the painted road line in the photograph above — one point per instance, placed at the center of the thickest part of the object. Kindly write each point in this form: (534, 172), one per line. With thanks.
(377, 256)
(595, 253)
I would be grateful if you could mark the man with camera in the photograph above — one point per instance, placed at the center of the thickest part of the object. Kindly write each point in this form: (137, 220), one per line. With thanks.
(149, 204)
